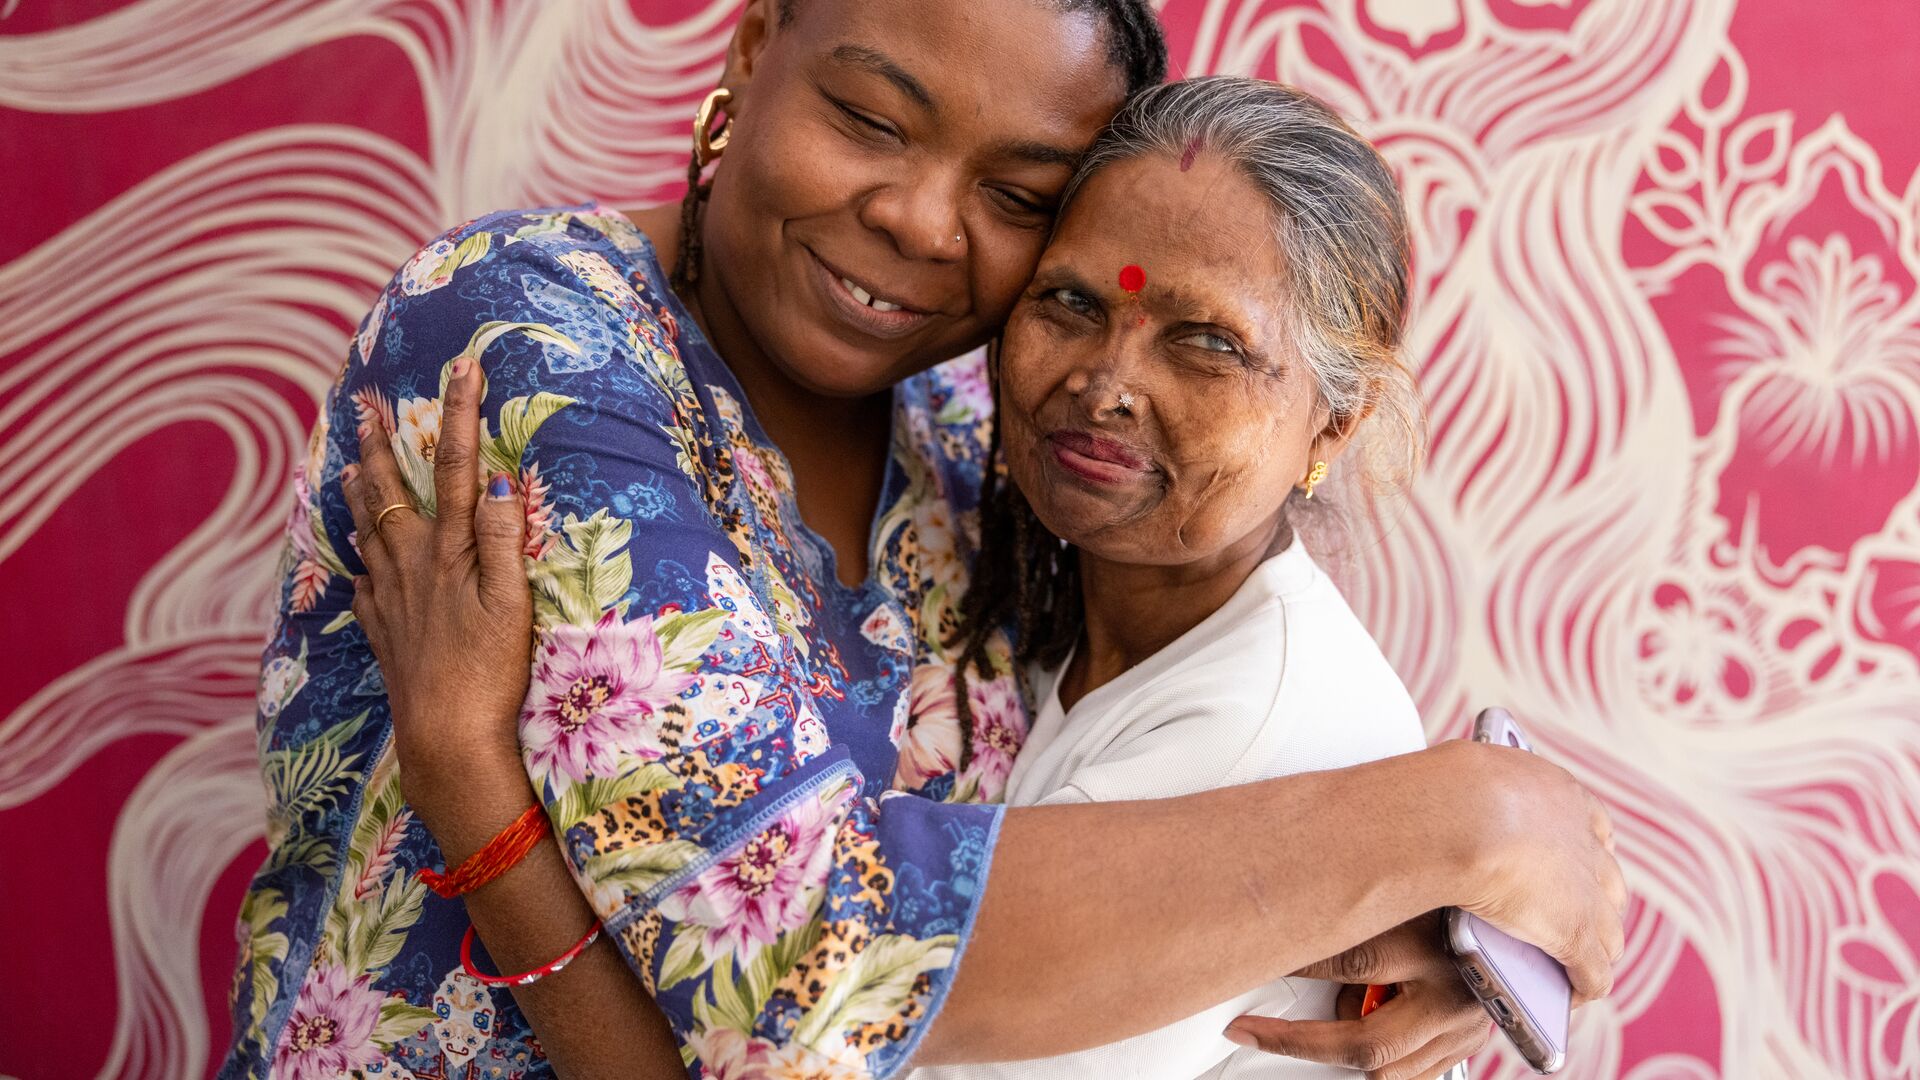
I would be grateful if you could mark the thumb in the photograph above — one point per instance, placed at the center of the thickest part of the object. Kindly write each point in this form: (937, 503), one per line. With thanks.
(1360, 1045)
(499, 532)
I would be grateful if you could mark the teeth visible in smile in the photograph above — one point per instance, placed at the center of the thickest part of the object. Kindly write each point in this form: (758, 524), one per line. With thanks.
(866, 297)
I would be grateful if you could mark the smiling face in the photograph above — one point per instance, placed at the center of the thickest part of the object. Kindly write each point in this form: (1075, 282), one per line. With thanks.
(892, 175)
(1153, 408)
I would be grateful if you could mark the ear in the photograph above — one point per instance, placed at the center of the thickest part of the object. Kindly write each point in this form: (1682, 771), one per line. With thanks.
(759, 21)
(1336, 433)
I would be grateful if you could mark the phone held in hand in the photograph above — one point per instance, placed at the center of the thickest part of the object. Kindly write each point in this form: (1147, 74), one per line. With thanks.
(1525, 990)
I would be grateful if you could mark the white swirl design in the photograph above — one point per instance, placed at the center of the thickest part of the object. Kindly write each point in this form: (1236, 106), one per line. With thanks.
(1670, 346)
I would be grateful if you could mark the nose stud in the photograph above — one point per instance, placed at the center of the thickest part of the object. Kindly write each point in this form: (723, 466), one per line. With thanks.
(1124, 406)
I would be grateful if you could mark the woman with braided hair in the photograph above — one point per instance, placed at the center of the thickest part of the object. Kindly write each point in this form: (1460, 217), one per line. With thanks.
(741, 489)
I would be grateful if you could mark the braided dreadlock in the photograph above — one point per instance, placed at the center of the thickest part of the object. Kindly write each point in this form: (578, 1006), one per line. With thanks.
(1024, 574)
(1135, 45)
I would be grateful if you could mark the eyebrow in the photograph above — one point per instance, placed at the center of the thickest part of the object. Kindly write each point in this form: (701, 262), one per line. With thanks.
(1044, 154)
(878, 63)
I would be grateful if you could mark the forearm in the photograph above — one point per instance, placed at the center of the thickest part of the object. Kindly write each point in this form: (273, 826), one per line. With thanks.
(1104, 921)
(594, 1019)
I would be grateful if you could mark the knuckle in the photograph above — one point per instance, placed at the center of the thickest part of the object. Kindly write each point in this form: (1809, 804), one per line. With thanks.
(1374, 1054)
(1357, 963)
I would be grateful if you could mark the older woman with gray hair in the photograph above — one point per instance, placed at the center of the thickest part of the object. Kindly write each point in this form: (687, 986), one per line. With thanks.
(1211, 341)
(1214, 327)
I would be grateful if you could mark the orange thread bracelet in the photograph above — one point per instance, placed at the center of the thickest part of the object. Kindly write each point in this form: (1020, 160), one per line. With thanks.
(525, 978)
(502, 852)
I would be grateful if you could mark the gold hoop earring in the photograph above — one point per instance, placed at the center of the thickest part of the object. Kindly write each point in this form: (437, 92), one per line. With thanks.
(707, 143)
(1314, 476)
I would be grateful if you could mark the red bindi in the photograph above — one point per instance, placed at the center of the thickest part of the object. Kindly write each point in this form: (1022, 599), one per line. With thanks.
(1132, 278)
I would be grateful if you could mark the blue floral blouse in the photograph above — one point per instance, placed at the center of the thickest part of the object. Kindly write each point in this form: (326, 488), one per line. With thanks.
(717, 725)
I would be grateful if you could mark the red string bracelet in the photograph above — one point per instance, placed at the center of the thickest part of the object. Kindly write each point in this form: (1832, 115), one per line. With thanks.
(525, 978)
(501, 854)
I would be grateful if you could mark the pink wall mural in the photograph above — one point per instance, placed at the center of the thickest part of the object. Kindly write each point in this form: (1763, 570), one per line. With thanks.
(1668, 322)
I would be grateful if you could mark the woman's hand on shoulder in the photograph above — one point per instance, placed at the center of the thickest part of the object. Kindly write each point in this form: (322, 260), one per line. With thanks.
(445, 601)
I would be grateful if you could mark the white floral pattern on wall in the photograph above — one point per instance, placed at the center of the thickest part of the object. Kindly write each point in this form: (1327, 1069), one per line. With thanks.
(1668, 322)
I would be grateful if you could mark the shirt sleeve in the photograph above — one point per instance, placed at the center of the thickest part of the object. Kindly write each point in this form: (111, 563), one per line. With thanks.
(783, 914)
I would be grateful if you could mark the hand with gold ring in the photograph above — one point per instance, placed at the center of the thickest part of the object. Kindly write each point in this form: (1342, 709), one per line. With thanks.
(444, 603)
(381, 517)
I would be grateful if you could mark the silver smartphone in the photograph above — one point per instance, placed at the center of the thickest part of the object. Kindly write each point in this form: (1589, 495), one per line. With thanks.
(1525, 990)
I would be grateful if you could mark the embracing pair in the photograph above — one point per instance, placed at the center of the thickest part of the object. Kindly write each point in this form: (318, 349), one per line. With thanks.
(834, 707)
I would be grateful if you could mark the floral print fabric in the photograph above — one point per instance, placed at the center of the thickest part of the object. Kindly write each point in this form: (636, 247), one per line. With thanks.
(716, 725)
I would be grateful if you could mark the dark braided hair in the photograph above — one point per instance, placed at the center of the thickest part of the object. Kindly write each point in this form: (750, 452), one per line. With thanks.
(1023, 574)
(1135, 45)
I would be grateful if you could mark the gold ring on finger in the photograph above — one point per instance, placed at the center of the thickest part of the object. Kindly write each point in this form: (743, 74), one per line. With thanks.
(382, 517)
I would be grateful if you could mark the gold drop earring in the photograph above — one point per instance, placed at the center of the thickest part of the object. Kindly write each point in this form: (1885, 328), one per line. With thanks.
(1314, 476)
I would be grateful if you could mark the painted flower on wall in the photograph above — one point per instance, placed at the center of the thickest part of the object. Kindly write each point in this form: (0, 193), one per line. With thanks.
(1886, 608)
(1882, 958)
(1419, 20)
(1696, 659)
(1825, 388)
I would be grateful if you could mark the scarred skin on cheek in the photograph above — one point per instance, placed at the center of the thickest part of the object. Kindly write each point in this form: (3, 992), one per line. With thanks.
(1228, 483)
(1223, 419)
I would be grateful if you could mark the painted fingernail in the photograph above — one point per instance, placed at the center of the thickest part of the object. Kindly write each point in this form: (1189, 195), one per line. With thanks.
(499, 487)
(349, 473)
(460, 367)
(1238, 1037)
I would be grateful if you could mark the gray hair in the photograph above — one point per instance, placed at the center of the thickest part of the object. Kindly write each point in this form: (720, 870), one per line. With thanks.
(1338, 219)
